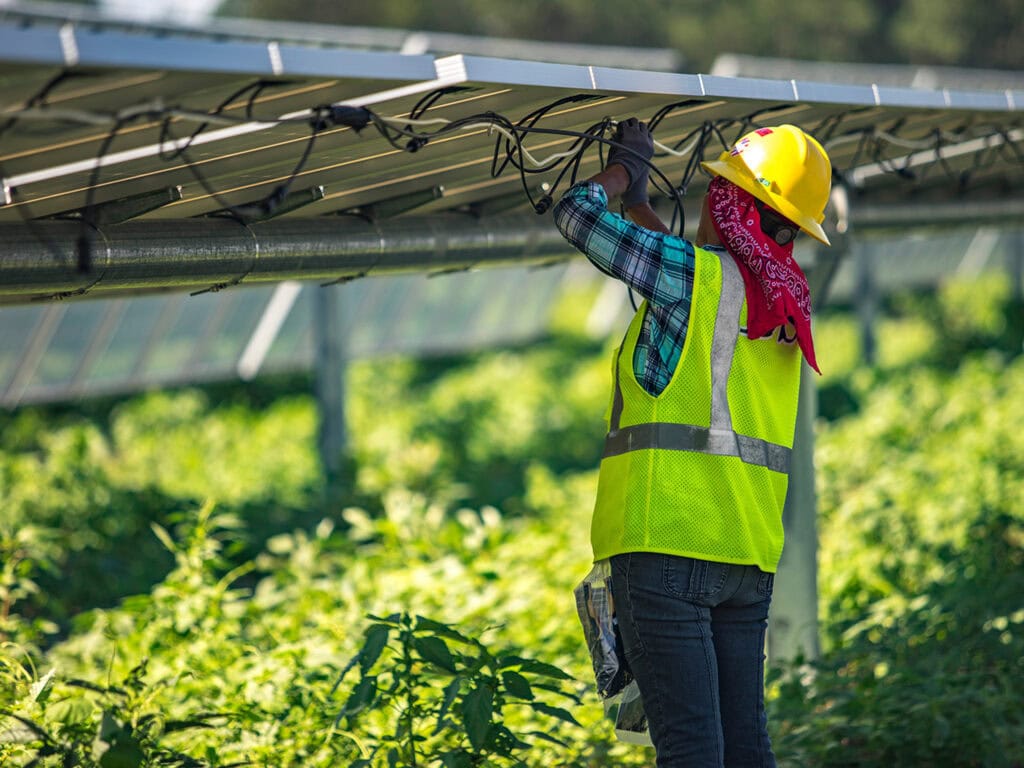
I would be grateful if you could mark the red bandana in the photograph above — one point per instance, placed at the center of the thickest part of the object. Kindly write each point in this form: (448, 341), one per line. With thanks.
(777, 291)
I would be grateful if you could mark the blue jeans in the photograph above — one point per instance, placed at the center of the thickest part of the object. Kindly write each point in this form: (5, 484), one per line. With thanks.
(694, 633)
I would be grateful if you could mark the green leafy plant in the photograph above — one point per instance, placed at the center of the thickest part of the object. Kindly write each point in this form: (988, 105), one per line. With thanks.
(25, 551)
(80, 723)
(439, 695)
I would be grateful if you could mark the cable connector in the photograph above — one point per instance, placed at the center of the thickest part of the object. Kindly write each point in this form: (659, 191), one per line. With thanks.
(416, 144)
(542, 205)
(355, 118)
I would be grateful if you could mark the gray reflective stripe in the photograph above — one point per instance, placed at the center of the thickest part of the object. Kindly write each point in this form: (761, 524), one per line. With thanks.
(719, 439)
(686, 437)
(723, 344)
(616, 417)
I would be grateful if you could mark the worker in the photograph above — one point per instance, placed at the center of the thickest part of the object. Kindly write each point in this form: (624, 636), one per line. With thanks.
(700, 426)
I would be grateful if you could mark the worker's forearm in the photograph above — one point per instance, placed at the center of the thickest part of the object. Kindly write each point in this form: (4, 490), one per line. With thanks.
(615, 181)
(644, 215)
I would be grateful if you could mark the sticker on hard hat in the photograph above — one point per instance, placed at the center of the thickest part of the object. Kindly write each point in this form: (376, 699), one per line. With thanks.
(742, 143)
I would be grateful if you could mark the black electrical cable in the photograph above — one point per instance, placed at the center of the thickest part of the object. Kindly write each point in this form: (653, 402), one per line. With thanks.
(1009, 144)
(513, 143)
(40, 96)
(962, 178)
(668, 109)
(256, 88)
(83, 243)
(269, 203)
(826, 129)
(430, 99)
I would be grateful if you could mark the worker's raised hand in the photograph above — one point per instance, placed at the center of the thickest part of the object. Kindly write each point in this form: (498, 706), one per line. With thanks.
(633, 147)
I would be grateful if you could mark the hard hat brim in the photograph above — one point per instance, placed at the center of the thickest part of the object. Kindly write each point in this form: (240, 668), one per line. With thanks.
(747, 182)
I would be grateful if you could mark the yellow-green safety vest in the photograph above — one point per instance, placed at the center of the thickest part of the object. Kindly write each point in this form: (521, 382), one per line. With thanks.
(701, 469)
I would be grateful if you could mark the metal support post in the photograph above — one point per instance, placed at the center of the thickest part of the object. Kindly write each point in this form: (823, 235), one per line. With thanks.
(1016, 255)
(867, 304)
(793, 626)
(329, 339)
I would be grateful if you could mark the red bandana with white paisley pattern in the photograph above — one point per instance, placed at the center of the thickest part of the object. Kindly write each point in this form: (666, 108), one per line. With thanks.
(777, 291)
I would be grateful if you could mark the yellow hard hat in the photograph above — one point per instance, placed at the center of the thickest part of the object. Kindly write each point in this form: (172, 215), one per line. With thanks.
(784, 168)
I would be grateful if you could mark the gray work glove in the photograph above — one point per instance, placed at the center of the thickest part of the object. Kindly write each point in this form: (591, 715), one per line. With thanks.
(633, 135)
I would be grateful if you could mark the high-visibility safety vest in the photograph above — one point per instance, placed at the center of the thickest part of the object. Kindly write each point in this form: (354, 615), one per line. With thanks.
(701, 469)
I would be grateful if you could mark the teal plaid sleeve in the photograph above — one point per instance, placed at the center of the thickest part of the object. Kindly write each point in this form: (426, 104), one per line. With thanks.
(657, 266)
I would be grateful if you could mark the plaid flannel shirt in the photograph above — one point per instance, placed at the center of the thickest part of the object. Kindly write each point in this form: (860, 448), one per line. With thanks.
(659, 267)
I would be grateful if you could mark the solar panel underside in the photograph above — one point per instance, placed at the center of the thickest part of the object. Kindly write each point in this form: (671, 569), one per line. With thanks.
(159, 89)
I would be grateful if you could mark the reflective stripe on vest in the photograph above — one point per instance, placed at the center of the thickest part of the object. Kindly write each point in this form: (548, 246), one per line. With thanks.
(719, 439)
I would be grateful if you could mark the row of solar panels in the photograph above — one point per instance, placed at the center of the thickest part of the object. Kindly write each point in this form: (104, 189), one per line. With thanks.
(112, 110)
(70, 350)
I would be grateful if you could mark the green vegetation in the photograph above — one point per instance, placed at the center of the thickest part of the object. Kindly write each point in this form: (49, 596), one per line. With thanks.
(174, 592)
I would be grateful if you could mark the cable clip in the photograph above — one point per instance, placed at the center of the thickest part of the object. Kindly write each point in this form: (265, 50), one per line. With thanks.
(355, 118)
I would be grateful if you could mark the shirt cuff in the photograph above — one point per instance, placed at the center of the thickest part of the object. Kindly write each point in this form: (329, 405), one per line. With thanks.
(594, 191)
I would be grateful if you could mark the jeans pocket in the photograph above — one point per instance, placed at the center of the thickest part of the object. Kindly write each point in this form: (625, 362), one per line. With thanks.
(765, 584)
(692, 579)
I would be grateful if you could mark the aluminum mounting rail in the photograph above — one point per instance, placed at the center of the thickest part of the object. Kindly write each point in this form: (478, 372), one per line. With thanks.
(41, 259)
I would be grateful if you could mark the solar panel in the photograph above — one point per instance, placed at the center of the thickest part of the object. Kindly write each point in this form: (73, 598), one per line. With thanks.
(210, 166)
(65, 350)
(161, 88)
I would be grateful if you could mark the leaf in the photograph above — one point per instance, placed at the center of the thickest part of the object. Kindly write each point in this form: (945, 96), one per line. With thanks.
(435, 650)
(376, 640)
(165, 537)
(517, 685)
(126, 752)
(504, 742)
(40, 690)
(558, 712)
(558, 689)
(444, 630)
(477, 710)
(182, 725)
(71, 711)
(457, 758)
(361, 696)
(450, 692)
(547, 737)
(93, 687)
(545, 670)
